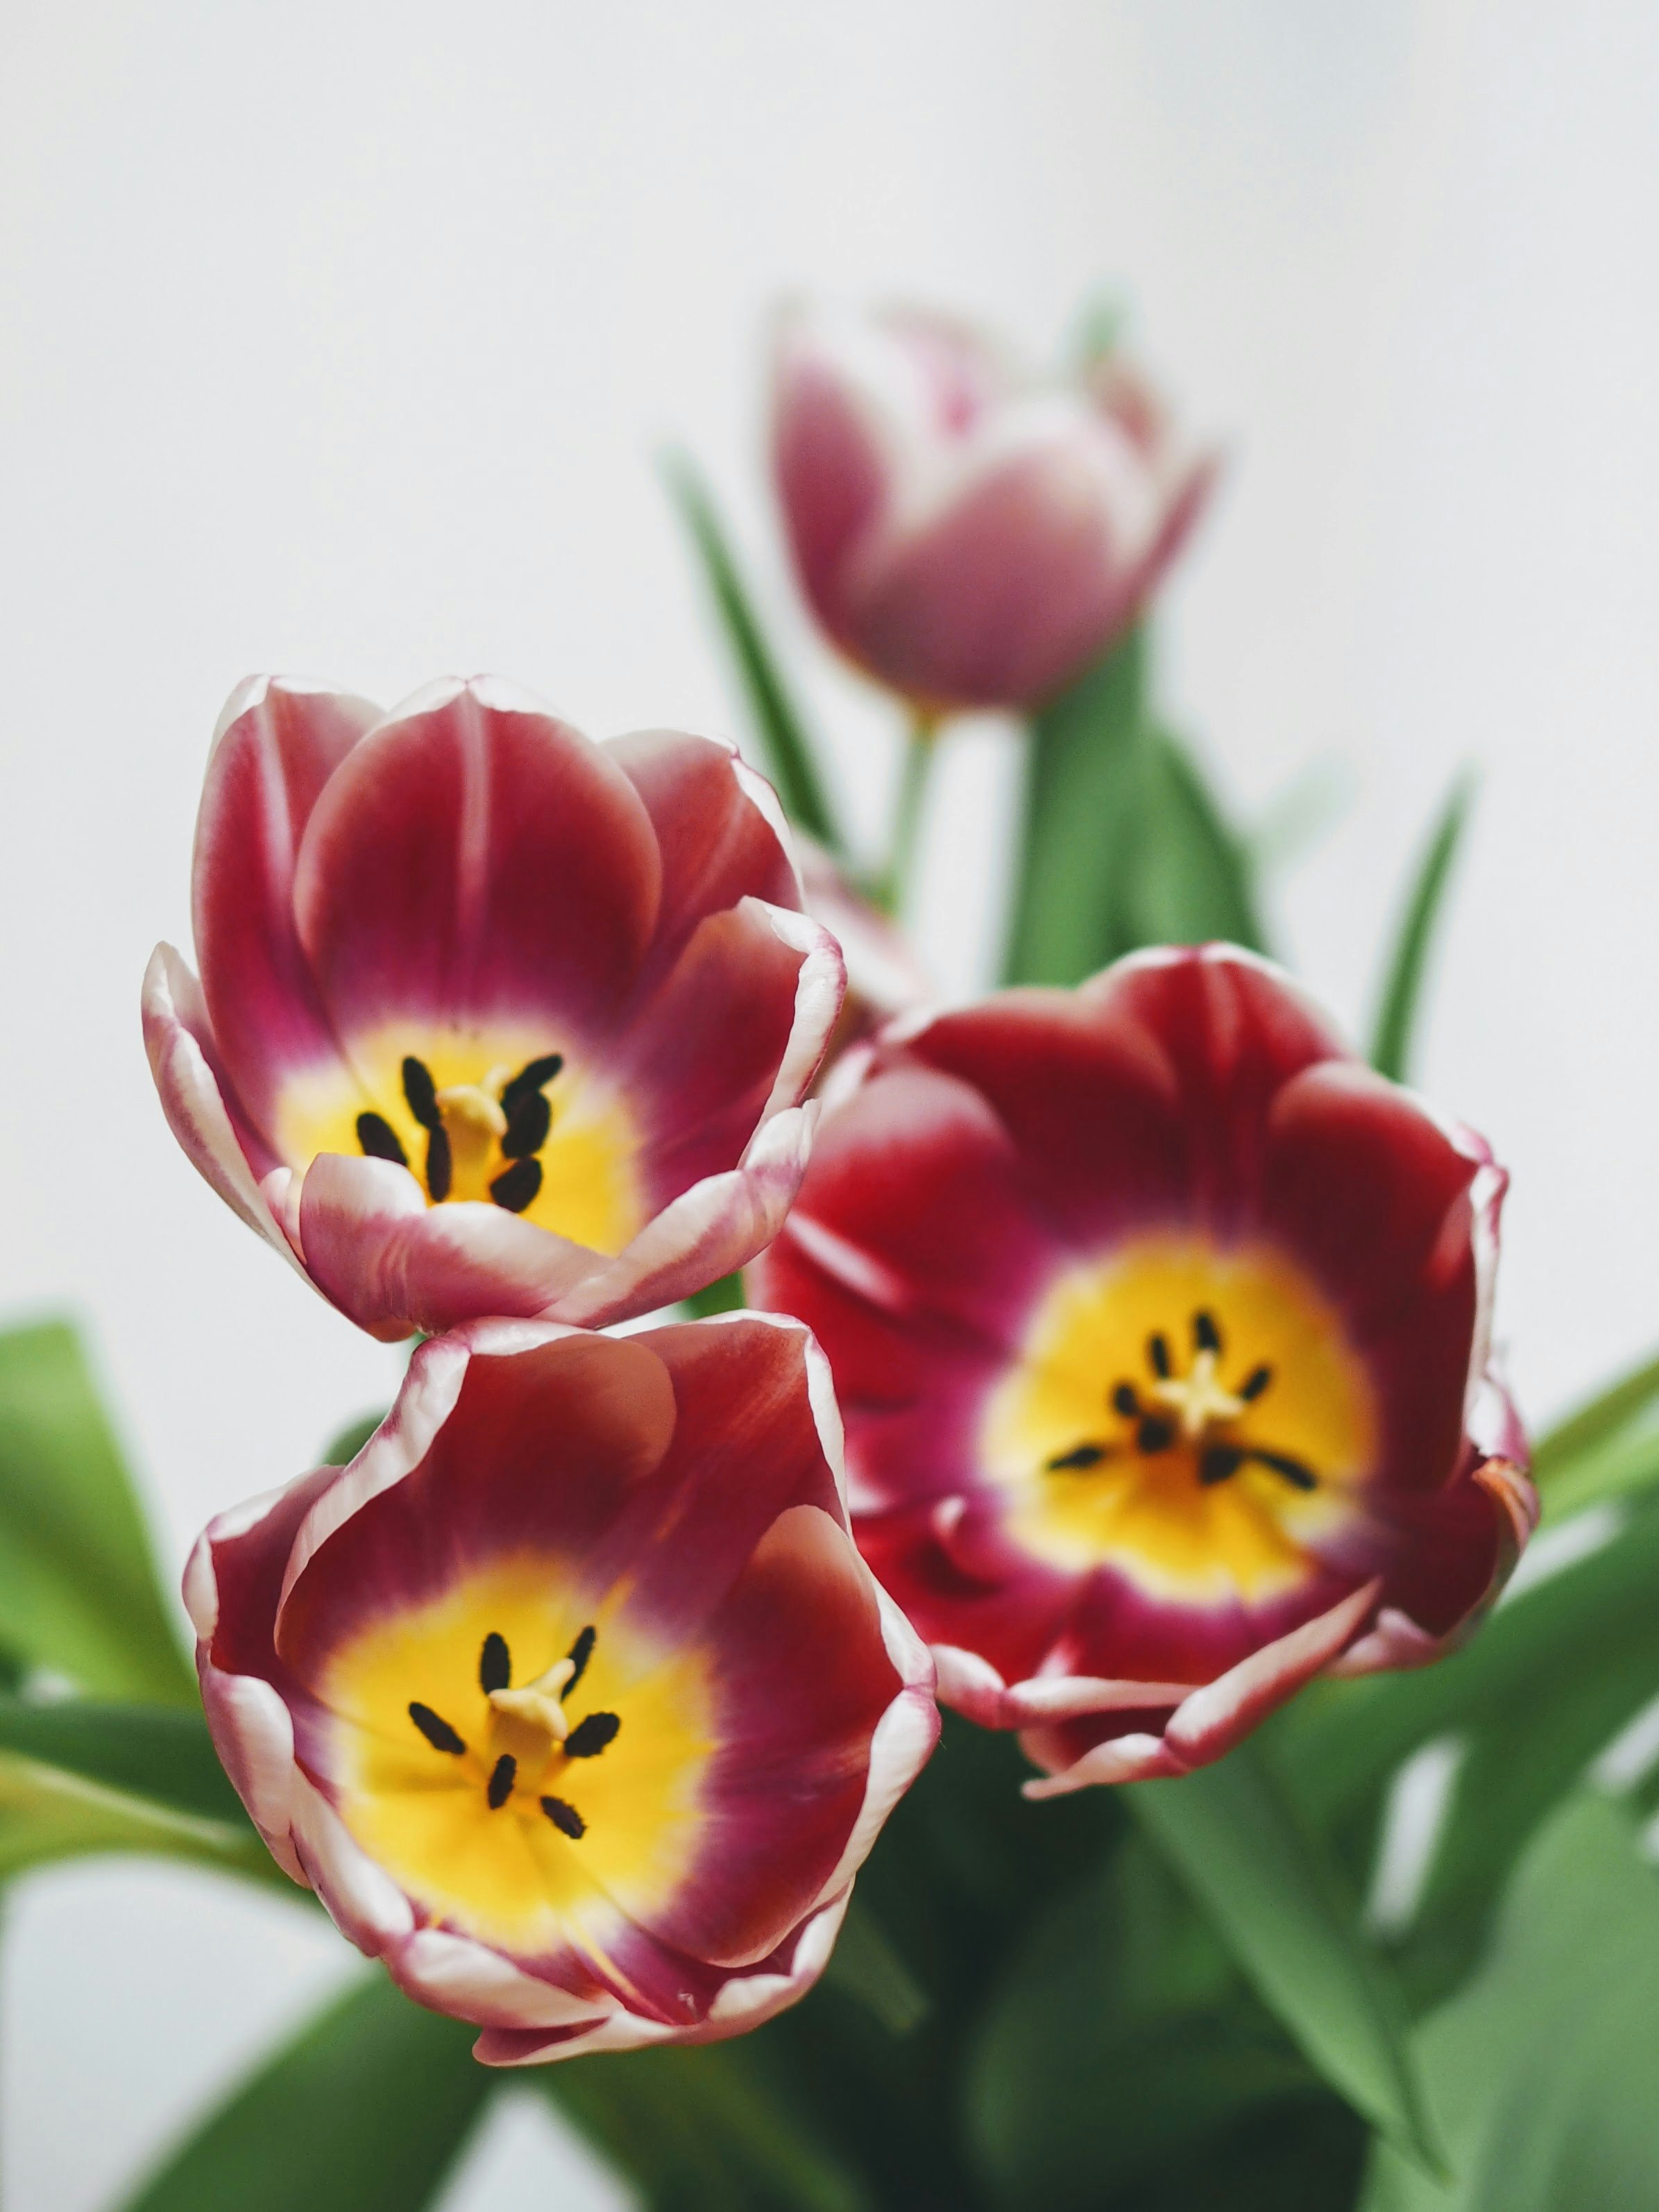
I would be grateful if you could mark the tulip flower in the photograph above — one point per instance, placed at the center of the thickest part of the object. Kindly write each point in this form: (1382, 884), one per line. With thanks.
(571, 1697)
(1160, 1324)
(968, 536)
(492, 1020)
(884, 975)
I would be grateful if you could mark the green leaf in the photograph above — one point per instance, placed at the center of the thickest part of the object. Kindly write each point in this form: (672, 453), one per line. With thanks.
(364, 2111)
(789, 756)
(703, 2129)
(46, 1815)
(1596, 1423)
(156, 1753)
(1118, 2043)
(1278, 1903)
(78, 1588)
(1396, 1020)
(1542, 2069)
(1083, 772)
(865, 1965)
(1194, 879)
(723, 1296)
(346, 1444)
(1626, 1468)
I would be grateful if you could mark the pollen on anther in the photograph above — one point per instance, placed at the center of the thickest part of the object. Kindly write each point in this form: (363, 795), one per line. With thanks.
(1158, 1351)
(1154, 1435)
(440, 1165)
(1218, 1463)
(1126, 1401)
(1079, 1457)
(495, 1663)
(580, 1653)
(502, 1776)
(515, 1187)
(421, 1093)
(1207, 1337)
(380, 1140)
(565, 1818)
(528, 1120)
(589, 1737)
(436, 1730)
(530, 1078)
(1254, 1383)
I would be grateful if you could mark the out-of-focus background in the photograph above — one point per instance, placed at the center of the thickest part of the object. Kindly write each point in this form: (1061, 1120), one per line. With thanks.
(339, 338)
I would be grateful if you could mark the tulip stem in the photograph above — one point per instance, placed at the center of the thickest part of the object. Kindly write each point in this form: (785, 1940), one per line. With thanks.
(921, 745)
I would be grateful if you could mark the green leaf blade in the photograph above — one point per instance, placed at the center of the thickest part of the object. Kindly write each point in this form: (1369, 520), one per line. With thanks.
(155, 1753)
(1278, 1904)
(1402, 990)
(78, 1588)
(790, 758)
(366, 2110)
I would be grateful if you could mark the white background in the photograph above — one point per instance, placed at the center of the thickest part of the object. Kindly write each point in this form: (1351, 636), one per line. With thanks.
(339, 337)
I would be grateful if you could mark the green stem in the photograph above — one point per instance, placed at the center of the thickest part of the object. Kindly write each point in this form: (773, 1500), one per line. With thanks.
(920, 746)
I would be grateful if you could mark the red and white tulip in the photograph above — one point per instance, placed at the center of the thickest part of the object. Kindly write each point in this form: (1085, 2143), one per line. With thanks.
(571, 1697)
(491, 1019)
(1160, 1327)
(969, 536)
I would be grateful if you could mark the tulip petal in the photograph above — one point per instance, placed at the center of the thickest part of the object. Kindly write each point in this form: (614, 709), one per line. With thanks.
(474, 857)
(278, 743)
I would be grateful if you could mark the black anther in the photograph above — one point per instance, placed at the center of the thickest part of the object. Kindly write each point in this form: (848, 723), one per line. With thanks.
(502, 1776)
(530, 1079)
(1080, 1456)
(580, 1653)
(436, 1730)
(565, 1818)
(589, 1737)
(1158, 1351)
(516, 1186)
(379, 1139)
(495, 1664)
(439, 1166)
(1294, 1471)
(1206, 1335)
(1125, 1401)
(528, 1120)
(1219, 1462)
(1254, 1383)
(421, 1093)
(1155, 1434)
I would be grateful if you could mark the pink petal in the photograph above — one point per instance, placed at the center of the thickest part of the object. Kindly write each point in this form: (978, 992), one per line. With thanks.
(395, 1265)
(277, 745)
(829, 453)
(473, 857)
(177, 1038)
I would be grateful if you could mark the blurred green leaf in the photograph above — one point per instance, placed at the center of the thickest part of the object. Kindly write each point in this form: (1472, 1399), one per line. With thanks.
(1193, 877)
(1595, 1423)
(865, 1965)
(344, 1445)
(723, 1296)
(1402, 991)
(1541, 2069)
(364, 2111)
(155, 1753)
(1626, 1468)
(1123, 843)
(78, 1588)
(1300, 813)
(789, 756)
(1118, 2040)
(46, 1814)
(1279, 1904)
(703, 2129)
(1540, 1689)
(1083, 771)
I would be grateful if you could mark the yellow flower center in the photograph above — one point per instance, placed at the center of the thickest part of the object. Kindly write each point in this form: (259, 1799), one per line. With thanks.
(496, 1118)
(1192, 1416)
(526, 1813)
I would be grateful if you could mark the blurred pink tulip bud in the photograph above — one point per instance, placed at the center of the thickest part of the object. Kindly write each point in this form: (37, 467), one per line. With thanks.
(969, 536)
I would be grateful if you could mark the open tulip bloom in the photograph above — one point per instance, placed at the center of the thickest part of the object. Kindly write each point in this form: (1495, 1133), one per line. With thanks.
(571, 1697)
(1160, 1328)
(492, 1020)
(968, 536)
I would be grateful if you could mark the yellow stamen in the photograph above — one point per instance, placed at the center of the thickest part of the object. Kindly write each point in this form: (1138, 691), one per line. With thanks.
(475, 1124)
(1199, 1397)
(536, 1704)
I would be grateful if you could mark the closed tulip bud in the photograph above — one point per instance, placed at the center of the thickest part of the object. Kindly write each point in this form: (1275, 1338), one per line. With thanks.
(968, 536)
